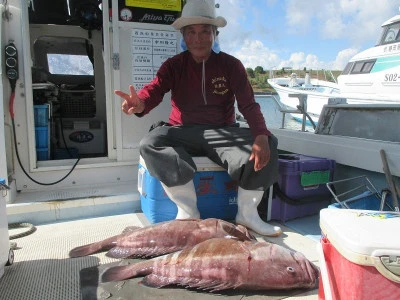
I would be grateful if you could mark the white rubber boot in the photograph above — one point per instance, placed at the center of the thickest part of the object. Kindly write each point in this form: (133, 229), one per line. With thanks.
(184, 196)
(248, 214)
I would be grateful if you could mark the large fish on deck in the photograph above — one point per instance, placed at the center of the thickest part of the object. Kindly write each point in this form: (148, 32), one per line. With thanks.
(163, 238)
(219, 264)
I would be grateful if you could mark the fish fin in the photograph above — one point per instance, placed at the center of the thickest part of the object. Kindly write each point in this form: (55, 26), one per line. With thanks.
(211, 285)
(119, 273)
(130, 229)
(241, 233)
(121, 252)
(93, 248)
(244, 230)
(116, 274)
(82, 250)
(156, 281)
(216, 286)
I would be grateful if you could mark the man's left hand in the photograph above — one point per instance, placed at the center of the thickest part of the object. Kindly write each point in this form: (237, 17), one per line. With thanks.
(260, 152)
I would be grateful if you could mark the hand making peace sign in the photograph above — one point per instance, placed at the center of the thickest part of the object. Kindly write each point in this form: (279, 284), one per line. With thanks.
(132, 104)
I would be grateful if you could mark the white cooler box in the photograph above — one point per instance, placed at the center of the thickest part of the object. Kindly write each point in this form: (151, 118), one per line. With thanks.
(361, 254)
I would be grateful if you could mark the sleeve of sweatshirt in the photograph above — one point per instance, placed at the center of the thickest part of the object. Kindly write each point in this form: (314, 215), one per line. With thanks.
(153, 93)
(246, 103)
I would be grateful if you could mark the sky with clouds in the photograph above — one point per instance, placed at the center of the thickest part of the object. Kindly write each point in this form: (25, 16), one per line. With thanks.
(316, 34)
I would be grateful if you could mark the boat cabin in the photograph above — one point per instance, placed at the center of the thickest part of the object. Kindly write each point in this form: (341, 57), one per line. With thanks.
(375, 70)
(63, 124)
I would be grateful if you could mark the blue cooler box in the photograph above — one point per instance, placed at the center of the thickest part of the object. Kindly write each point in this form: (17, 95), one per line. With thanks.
(215, 189)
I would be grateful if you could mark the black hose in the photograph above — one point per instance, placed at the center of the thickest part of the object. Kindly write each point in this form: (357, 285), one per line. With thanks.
(26, 173)
(11, 110)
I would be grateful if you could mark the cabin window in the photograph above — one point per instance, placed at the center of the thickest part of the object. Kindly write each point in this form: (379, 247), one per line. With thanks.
(367, 66)
(347, 69)
(391, 34)
(363, 67)
(357, 67)
(67, 64)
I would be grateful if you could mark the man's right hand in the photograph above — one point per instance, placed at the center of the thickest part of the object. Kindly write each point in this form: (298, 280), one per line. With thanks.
(132, 104)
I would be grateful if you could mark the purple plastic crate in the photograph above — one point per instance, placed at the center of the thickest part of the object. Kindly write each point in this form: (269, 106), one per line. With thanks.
(303, 176)
(216, 196)
(283, 211)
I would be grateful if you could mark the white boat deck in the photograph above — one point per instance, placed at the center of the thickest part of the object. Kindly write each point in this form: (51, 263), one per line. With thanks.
(42, 269)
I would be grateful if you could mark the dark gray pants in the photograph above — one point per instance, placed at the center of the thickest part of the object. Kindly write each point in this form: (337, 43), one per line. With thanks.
(168, 151)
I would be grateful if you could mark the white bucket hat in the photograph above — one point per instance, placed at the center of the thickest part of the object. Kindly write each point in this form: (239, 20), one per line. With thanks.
(199, 12)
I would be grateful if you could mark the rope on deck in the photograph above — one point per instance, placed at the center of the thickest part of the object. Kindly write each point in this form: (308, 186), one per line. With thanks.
(30, 229)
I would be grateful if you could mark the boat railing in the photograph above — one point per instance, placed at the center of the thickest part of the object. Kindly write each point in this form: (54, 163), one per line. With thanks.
(331, 74)
(301, 109)
(326, 74)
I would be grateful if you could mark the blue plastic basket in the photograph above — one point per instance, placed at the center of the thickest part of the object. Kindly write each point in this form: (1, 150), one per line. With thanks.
(42, 153)
(42, 137)
(41, 115)
(365, 201)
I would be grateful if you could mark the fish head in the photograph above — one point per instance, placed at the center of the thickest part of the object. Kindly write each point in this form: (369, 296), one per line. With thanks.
(277, 266)
(304, 269)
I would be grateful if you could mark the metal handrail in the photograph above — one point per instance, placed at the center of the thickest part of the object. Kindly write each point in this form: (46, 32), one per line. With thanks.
(301, 109)
(359, 183)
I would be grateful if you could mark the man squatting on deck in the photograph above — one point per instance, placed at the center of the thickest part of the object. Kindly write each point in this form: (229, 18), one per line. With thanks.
(204, 83)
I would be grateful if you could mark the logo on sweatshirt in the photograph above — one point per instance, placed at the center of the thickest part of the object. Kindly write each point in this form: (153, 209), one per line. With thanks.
(219, 84)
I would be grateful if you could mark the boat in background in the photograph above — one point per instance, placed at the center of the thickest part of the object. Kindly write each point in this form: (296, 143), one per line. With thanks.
(370, 77)
(318, 92)
(374, 74)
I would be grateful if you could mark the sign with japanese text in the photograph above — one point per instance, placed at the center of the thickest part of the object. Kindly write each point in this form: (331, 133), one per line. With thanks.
(150, 48)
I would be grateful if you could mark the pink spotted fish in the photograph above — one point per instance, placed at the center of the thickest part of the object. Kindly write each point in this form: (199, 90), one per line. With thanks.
(163, 238)
(219, 264)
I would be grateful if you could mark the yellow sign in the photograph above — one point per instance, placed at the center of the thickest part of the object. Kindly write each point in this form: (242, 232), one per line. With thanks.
(171, 5)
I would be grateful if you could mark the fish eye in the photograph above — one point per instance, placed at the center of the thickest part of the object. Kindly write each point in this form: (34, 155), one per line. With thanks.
(290, 269)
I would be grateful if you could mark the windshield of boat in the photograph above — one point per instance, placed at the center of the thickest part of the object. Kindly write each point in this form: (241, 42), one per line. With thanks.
(389, 34)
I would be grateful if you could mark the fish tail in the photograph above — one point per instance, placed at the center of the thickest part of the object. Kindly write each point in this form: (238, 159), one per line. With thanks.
(119, 273)
(93, 248)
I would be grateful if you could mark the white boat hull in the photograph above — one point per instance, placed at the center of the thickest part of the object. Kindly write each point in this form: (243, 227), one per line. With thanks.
(316, 97)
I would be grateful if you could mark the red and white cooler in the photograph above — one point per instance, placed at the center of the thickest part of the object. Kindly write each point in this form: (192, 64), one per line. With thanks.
(359, 254)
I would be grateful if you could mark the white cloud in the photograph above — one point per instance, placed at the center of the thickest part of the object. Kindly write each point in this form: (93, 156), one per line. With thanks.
(356, 20)
(253, 53)
(342, 58)
(252, 39)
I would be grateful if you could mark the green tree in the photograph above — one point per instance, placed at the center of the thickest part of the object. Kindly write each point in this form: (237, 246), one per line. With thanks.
(250, 72)
(259, 70)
